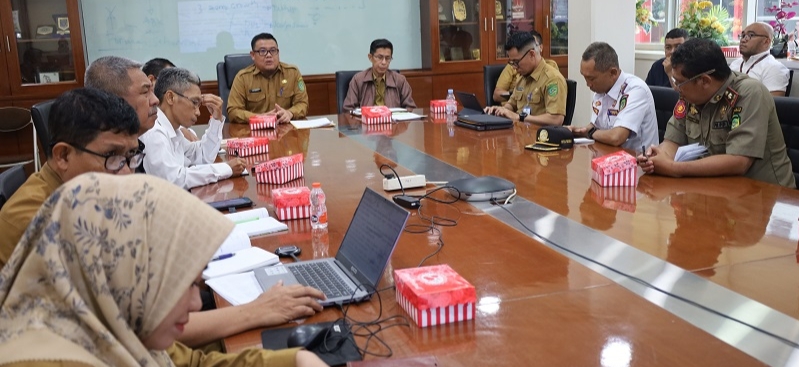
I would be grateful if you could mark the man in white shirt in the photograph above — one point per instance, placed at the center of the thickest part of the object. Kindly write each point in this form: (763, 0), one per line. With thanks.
(623, 110)
(757, 61)
(168, 154)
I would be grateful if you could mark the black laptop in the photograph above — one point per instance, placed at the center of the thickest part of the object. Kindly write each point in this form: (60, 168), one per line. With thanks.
(473, 117)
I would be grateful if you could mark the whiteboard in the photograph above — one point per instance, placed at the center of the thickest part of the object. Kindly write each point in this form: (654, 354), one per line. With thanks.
(319, 36)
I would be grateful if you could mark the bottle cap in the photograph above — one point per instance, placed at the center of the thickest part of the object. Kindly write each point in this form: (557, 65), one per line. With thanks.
(449, 90)
(316, 184)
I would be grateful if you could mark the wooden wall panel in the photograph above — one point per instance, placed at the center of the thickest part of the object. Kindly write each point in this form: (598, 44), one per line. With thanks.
(467, 82)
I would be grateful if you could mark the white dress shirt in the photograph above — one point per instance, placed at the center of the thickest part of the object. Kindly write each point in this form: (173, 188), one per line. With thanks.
(767, 70)
(186, 164)
(628, 104)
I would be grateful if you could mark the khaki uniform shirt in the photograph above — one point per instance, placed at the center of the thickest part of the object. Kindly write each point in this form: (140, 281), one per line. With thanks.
(740, 119)
(509, 77)
(20, 209)
(544, 90)
(253, 93)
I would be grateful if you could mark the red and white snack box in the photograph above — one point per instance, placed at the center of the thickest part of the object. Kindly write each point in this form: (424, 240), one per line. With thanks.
(292, 202)
(244, 147)
(435, 295)
(280, 170)
(375, 115)
(614, 197)
(616, 169)
(263, 121)
(438, 106)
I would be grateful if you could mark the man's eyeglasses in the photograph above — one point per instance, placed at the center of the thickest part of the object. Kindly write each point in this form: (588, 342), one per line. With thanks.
(382, 58)
(746, 36)
(678, 87)
(115, 162)
(195, 102)
(515, 63)
(267, 51)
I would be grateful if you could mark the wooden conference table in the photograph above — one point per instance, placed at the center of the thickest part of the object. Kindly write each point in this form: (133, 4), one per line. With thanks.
(735, 238)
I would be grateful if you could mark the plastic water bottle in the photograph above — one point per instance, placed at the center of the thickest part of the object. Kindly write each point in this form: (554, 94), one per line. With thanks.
(791, 48)
(452, 105)
(318, 208)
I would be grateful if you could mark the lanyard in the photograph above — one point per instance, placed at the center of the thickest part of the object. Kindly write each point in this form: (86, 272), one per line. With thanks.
(741, 69)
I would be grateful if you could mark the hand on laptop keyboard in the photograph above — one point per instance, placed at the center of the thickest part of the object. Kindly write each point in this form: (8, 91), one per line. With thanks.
(281, 304)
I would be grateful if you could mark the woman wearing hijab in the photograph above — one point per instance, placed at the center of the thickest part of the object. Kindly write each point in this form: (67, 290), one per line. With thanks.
(107, 273)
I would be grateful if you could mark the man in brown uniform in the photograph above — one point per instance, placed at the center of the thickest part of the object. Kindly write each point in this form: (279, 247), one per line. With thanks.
(379, 85)
(540, 96)
(509, 77)
(732, 115)
(267, 86)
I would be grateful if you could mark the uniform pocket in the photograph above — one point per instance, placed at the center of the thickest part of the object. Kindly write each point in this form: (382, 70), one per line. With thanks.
(693, 131)
(284, 99)
(255, 100)
(718, 140)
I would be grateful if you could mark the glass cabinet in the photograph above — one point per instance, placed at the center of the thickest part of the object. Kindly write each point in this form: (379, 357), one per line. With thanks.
(42, 46)
(513, 16)
(460, 27)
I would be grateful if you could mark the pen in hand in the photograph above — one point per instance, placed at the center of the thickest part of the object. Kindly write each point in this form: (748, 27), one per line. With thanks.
(643, 152)
(222, 257)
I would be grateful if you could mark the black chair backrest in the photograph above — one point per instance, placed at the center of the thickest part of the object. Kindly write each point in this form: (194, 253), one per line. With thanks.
(40, 112)
(665, 100)
(491, 75)
(10, 180)
(571, 101)
(225, 73)
(787, 110)
(342, 86)
(790, 83)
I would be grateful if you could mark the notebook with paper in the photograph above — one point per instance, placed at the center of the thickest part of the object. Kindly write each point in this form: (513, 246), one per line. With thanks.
(355, 272)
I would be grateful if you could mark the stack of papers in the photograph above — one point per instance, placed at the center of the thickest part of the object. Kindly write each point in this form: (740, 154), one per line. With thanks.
(357, 111)
(242, 261)
(237, 289)
(689, 152)
(313, 123)
(256, 222)
(405, 116)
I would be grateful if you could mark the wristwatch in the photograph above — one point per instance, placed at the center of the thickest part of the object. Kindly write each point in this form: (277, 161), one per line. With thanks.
(522, 116)
(591, 132)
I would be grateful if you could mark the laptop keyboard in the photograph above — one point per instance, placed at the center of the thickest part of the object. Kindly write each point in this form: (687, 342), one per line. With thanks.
(321, 276)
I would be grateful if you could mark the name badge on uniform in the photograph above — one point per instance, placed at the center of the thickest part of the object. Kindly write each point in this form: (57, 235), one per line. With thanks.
(255, 90)
(721, 125)
(613, 112)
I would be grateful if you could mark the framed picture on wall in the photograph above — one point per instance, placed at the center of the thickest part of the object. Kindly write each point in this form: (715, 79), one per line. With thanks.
(48, 77)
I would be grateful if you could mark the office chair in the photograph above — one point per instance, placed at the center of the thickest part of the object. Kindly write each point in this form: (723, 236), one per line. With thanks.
(40, 112)
(10, 180)
(490, 77)
(12, 120)
(343, 79)
(790, 83)
(787, 110)
(225, 73)
(665, 100)
(571, 100)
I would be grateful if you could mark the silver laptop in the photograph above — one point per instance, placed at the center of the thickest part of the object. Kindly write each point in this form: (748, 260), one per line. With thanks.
(353, 275)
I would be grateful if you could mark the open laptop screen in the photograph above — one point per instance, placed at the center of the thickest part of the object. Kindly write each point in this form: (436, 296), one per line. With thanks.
(370, 240)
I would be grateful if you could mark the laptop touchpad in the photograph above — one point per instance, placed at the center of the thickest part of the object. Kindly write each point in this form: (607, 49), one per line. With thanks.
(270, 275)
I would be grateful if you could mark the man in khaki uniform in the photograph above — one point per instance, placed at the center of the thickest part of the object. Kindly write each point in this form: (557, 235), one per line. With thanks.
(732, 115)
(509, 77)
(267, 86)
(540, 96)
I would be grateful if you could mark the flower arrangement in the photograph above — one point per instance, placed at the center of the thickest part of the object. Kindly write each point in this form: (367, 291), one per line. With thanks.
(643, 17)
(703, 20)
(780, 16)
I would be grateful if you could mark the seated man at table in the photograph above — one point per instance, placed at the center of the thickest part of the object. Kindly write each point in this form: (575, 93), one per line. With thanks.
(660, 72)
(152, 68)
(732, 115)
(267, 86)
(91, 131)
(623, 110)
(756, 59)
(509, 77)
(172, 157)
(540, 96)
(379, 85)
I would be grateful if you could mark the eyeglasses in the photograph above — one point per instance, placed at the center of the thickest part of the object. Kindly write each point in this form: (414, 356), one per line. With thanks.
(515, 63)
(678, 87)
(115, 162)
(746, 36)
(267, 51)
(382, 58)
(195, 102)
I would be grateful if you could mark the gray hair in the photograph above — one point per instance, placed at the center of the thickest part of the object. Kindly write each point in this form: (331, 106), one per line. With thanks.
(603, 54)
(175, 79)
(110, 73)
